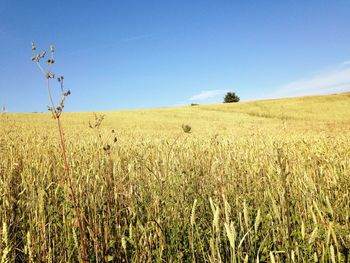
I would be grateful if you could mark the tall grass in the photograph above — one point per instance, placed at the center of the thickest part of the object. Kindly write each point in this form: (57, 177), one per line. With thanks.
(269, 191)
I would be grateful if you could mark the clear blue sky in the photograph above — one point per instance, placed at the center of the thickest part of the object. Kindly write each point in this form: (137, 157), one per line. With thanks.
(140, 54)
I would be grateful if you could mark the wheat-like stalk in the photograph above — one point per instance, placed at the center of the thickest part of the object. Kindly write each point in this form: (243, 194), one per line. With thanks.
(257, 221)
(313, 235)
(6, 250)
(216, 220)
(193, 212)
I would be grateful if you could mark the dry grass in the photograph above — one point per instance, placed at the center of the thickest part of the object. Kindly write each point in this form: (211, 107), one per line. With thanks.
(252, 182)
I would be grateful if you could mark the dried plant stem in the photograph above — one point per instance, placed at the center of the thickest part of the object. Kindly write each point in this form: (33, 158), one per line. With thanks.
(56, 113)
(41, 68)
(74, 199)
(50, 95)
(72, 193)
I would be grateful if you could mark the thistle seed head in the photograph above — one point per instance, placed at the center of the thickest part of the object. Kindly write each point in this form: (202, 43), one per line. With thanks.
(50, 75)
(67, 93)
(42, 54)
(36, 58)
(186, 128)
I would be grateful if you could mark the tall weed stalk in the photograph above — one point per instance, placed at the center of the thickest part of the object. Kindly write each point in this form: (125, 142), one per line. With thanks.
(56, 114)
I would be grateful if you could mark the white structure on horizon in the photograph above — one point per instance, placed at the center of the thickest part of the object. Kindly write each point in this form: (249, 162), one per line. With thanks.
(4, 109)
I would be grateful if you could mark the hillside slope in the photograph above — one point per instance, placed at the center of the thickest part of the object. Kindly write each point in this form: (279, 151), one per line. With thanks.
(318, 113)
(264, 177)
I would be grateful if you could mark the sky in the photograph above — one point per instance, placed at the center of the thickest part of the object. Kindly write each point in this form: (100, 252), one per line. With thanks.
(144, 54)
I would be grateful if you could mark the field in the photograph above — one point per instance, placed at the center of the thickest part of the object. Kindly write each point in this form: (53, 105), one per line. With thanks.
(264, 181)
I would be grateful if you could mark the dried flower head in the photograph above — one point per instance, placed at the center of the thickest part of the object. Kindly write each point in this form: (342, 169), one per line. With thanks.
(35, 58)
(186, 128)
(42, 54)
(107, 147)
(56, 111)
(50, 75)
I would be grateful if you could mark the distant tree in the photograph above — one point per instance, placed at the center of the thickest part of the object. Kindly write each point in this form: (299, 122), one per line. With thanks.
(231, 97)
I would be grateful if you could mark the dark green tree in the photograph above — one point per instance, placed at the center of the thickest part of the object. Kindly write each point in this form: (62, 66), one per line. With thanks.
(231, 97)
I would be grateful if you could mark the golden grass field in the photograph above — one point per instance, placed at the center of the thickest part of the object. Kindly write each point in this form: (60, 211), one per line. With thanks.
(262, 181)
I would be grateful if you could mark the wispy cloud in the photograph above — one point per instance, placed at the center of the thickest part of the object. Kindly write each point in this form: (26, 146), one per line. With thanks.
(112, 44)
(336, 80)
(139, 37)
(208, 94)
(346, 62)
